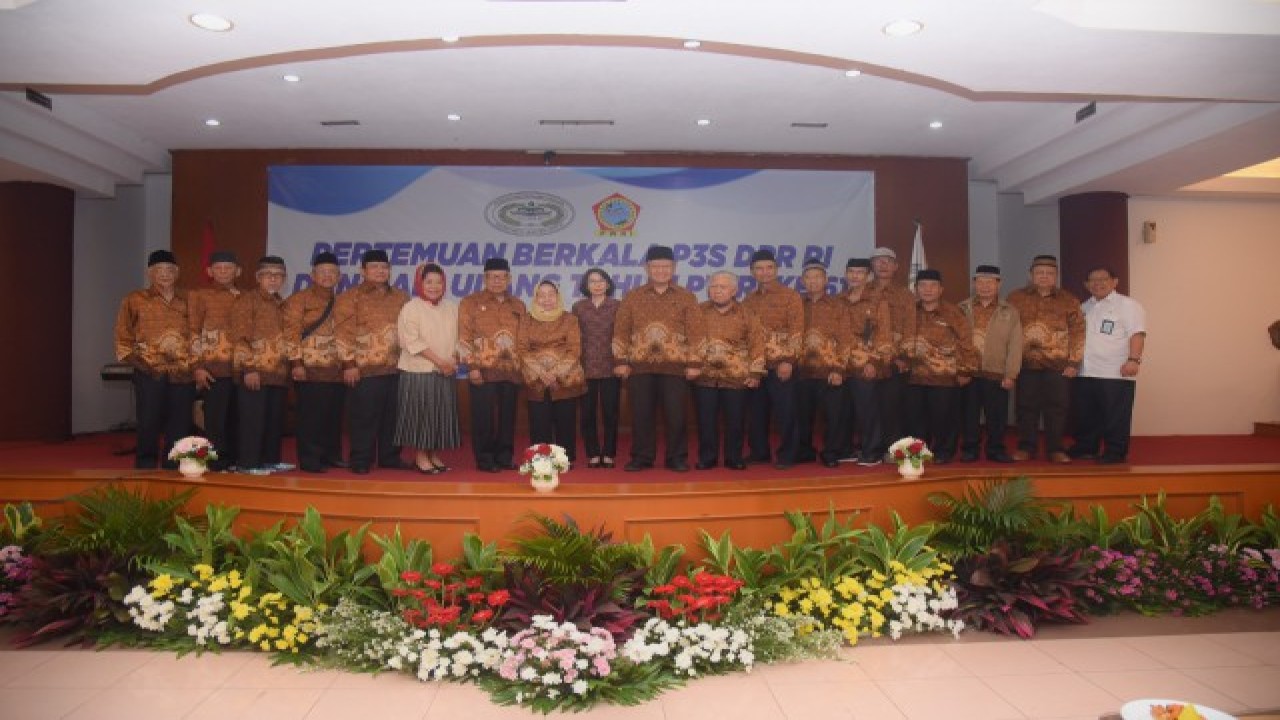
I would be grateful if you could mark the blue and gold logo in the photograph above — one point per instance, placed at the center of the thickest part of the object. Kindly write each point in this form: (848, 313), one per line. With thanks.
(616, 216)
(529, 213)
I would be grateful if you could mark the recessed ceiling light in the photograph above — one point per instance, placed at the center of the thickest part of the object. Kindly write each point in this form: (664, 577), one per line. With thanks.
(852, 73)
(935, 124)
(902, 28)
(213, 122)
(210, 22)
(692, 44)
(703, 122)
(454, 117)
(449, 38)
(292, 78)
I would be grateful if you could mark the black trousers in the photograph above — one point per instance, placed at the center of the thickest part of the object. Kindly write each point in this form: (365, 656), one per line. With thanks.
(161, 406)
(860, 414)
(555, 422)
(221, 421)
(891, 397)
(493, 423)
(774, 400)
(261, 424)
(319, 423)
(1104, 415)
(1042, 394)
(372, 425)
(932, 416)
(984, 397)
(812, 395)
(600, 439)
(646, 391)
(714, 406)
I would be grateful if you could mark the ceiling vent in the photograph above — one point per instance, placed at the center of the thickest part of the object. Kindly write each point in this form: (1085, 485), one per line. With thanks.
(576, 123)
(809, 125)
(339, 123)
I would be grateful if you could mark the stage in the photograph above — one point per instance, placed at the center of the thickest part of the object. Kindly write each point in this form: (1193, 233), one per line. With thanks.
(1244, 471)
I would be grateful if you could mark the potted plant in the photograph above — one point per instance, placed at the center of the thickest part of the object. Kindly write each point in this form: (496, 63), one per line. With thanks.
(543, 464)
(910, 454)
(193, 454)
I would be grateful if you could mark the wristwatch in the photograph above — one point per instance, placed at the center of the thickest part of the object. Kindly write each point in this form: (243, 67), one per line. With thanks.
(1135, 360)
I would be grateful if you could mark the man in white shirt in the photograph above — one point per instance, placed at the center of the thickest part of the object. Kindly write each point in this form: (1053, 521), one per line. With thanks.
(1115, 336)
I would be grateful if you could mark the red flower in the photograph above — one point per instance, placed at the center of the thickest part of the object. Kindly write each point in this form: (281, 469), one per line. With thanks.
(482, 615)
(412, 577)
(399, 592)
(544, 449)
(202, 452)
(528, 456)
(433, 584)
(899, 455)
(916, 447)
(475, 598)
(443, 569)
(681, 581)
(419, 594)
(663, 589)
(498, 598)
(474, 582)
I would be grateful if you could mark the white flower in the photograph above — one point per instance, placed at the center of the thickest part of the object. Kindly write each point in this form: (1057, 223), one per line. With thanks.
(580, 687)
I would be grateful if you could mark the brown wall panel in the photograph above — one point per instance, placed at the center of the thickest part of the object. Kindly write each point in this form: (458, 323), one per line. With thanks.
(1094, 228)
(228, 188)
(37, 223)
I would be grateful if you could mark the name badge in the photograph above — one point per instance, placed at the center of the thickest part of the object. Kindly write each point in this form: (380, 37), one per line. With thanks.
(1108, 327)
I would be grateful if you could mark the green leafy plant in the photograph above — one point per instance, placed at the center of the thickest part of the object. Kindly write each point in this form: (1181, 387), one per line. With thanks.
(662, 562)
(21, 524)
(564, 554)
(1230, 530)
(74, 595)
(608, 604)
(877, 550)
(1154, 528)
(310, 568)
(122, 522)
(1010, 591)
(1269, 527)
(990, 511)
(398, 557)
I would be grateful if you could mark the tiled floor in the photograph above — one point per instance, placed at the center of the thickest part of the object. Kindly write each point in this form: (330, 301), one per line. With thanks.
(1072, 673)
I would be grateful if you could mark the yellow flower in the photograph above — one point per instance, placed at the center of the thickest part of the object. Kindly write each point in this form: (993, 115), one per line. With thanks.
(245, 591)
(812, 582)
(806, 605)
(240, 610)
(787, 594)
(204, 572)
(161, 585)
(265, 645)
(256, 634)
(282, 645)
(302, 613)
(218, 584)
(234, 579)
(290, 632)
(781, 610)
(302, 638)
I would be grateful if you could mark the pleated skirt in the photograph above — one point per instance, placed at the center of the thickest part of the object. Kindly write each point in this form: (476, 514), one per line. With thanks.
(428, 412)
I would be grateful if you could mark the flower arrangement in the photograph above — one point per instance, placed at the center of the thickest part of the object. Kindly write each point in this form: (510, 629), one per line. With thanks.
(15, 572)
(701, 598)
(691, 649)
(194, 447)
(219, 609)
(910, 451)
(550, 660)
(445, 600)
(543, 462)
(1204, 581)
(873, 603)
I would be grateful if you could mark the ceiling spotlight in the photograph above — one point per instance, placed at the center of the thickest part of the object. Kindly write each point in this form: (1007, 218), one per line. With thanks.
(935, 124)
(210, 22)
(692, 44)
(703, 122)
(902, 28)
(852, 73)
(213, 122)
(449, 38)
(292, 78)
(454, 117)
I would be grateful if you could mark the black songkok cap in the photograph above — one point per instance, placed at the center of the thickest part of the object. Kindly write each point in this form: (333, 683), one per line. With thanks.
(270, 260)
(497, 264)
(763, 254)
(374, 256)
(218, 256)
(659, 252)
(928, 275)
(858, 262)
(987, 271)
(1049, 260)
(814, 262)
(161, 256)
(325, 258)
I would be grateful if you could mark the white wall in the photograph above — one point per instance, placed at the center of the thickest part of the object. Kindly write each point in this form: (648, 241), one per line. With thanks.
(1025, 232)
(112, 239)
(1211, 287)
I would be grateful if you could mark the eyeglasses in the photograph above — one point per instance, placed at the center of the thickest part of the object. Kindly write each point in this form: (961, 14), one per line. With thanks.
(271, 273)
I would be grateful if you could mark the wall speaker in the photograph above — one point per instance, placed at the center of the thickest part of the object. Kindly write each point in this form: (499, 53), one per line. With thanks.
(1149, 232)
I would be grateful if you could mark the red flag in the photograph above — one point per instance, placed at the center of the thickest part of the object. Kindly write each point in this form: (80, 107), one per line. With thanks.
(206, 247)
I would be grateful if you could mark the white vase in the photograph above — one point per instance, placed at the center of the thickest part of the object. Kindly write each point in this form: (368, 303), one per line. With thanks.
(907, 470)
(545, 483)
(192, 468)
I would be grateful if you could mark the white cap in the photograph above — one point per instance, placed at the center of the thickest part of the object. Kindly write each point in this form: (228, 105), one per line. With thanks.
(884, 252)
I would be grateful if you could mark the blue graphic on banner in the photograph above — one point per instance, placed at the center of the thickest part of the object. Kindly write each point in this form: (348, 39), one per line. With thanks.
(338, 189)
(671, 178)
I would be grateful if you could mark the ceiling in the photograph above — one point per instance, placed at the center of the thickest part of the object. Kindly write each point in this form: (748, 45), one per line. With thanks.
(1185, 90)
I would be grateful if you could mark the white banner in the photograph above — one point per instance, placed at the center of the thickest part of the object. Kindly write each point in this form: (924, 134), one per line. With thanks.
(556, 223)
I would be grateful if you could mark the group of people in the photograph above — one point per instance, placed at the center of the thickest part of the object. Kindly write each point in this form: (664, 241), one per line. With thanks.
(875, 360)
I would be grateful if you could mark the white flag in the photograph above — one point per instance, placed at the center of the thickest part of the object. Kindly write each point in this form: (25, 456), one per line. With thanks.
(918, 261)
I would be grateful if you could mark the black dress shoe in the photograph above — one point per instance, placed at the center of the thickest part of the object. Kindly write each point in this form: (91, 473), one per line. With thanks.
(1081, 454)
(634, 466)
(678, 466)
(334, 463)
(593, 463)
(494, 469)
(1111, 460)
(831, 463)
(606, 463)
(360, 469)
(312, 468)
(1000, 458)
(758, 460)
(968, 457)
(783, 465)
(704, 466)
(736, 465)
